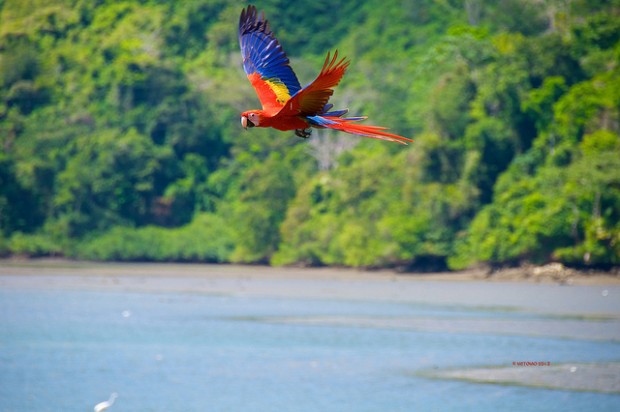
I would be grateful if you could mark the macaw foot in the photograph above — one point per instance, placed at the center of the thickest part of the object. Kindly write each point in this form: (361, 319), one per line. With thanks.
(304, 133)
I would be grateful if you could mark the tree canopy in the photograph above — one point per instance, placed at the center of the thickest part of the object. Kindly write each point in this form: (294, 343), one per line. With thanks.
(120, 136)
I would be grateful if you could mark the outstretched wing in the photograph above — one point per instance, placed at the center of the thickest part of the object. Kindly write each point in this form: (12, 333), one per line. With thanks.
(312, 99)
(265, 62)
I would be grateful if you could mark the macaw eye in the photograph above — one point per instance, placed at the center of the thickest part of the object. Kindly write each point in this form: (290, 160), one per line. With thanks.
(252, 115)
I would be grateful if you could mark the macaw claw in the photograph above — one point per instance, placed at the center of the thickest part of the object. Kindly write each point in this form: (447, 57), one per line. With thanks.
(303, 133)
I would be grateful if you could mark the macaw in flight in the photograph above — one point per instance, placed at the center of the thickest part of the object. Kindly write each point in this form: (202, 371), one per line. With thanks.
(286, 105)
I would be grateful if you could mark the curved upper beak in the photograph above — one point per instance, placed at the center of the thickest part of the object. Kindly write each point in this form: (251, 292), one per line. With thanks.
(245, 122)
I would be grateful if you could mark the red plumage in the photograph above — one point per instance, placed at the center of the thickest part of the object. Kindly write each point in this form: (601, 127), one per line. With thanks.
(287, 106)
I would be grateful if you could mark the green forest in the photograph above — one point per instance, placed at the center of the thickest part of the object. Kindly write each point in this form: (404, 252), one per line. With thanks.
(120, 135)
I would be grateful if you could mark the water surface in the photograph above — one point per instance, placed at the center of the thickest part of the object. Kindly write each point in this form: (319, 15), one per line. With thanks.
(68, 349)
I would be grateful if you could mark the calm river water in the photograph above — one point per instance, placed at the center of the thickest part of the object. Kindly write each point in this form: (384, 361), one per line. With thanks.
(68, 349)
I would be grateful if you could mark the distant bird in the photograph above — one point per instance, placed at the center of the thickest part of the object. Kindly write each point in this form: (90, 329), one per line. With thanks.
(102, 406)
(286, 105)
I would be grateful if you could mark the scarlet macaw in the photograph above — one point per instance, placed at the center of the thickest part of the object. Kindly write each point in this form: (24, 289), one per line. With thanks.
(286, 105)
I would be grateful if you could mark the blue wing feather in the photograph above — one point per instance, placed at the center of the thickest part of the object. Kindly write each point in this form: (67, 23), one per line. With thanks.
(262, 53)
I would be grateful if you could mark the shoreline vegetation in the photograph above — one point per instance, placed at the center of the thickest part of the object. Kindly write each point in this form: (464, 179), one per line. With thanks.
(120, 137)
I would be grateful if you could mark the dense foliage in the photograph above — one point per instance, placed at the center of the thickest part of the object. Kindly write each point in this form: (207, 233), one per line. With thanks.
(120, 136)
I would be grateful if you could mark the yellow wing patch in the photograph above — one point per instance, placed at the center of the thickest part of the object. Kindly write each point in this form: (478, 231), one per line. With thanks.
(280, 90)
(272, 93)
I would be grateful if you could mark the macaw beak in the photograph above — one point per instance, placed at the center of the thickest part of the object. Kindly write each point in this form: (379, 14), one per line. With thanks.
(245, 122)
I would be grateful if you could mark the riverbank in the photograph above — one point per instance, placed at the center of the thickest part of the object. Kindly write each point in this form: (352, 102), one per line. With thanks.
(551, 273)
(580, 294)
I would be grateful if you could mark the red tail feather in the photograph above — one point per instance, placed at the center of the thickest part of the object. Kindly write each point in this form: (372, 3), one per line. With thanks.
(375, 132)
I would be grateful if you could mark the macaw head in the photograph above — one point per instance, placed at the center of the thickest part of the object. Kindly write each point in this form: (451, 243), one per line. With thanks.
(250, 119)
